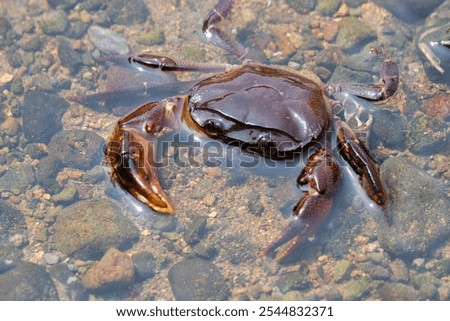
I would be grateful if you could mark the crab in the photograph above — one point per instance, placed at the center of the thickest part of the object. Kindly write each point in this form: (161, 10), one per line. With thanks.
(271, 110)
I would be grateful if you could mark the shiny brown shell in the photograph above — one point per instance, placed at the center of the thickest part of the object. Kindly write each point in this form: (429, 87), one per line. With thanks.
(233, 107)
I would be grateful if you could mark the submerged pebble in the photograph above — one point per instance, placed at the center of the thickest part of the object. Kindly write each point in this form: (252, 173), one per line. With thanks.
(151, 38)
(80, 149)
(108, 41)
(86, 229)
(197, 280)
(127, 12)
(428, 135)
(54, 22)
(353, 34)
(356, 289)
(115, 271)
(418, 209)
(17, 180)
(302, 6)
(342, 270)
(41, 116)
(411, 11)
(69, 58)
(145, 265)
(397, 292)
(27, 282)
(67, 195)
(438, 106)
(295, 280)
(388, 129)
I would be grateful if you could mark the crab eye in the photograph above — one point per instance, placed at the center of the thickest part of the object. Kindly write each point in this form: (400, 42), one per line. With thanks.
(212, 127)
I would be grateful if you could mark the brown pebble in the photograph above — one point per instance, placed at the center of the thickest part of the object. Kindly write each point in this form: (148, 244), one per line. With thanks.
(438, 106)
(114, 270)
(214, 171)
(330, 29)
(10, 126)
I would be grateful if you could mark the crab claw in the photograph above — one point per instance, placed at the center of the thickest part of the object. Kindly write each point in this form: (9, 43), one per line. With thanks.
(130, 154)
(322, 174)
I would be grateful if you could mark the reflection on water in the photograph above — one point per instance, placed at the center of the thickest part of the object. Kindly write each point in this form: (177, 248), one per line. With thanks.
(63, 222)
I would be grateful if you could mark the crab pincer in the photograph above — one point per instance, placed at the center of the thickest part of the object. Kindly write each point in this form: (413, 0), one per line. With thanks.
(322, 175)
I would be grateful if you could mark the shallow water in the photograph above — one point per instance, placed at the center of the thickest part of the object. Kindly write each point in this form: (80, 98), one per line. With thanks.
(60, 211)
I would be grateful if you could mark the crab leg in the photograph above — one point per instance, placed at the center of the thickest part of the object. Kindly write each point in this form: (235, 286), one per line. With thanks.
(168, 64)
(322, 174)
(357, 156)
(385, 88)
(219, 38)
(130, 151)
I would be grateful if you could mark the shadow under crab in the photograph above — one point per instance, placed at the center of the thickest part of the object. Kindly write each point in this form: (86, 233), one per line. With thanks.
(269, 110)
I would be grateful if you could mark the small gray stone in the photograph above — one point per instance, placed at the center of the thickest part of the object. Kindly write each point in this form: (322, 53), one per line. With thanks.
(18, 240)
(17, 180)
(399, 271)
(145, 265)
(442, 267)
(417, 210)
(424, 278)
(342, 270)
(108, 41)
(428, 135)
(254, 204)
(69, 58)
(151, 38)
(67, 195)
(94, 175)
(34, 150)
(302, 6)
(295, 280)
(195, 230)
(328, 7)
(64, 4)
(27, 282)
(388, 129)
(166, 223)
(54, 22)
(375, 271)
(77, 291)
(30, 43)
(47, 170)
(293, 296)
(77, 148)
(356, 289)
(411, 11)
(61, 272)
(205, 251)
(354, 34)
(12, 222)
(444, 292)
(427, 291)
(397, 292)
(202, 189)
(51, 258)
(197, 280)
(127, 12)
(41, 116)
(418, 263)
(77, 29)
(72, 267)
(17, 86)
(10, 252)
(237, 248)
(342, 75)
